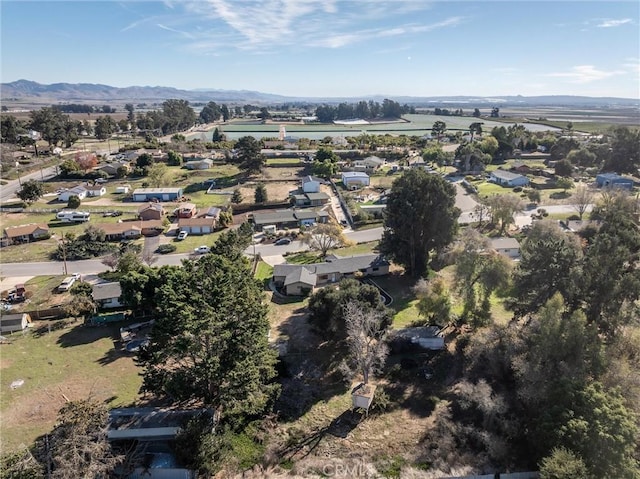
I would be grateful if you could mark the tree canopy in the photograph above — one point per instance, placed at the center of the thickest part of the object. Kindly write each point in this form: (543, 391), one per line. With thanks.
(248, 154)
(209, 343)
(420, 217)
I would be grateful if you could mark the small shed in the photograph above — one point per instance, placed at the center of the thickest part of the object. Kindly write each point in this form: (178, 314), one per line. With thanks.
(123, 189)
(10, 323)
(203, 164)
(96, 190)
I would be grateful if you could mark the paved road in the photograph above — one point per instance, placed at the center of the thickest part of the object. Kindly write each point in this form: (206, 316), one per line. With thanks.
(9, 190)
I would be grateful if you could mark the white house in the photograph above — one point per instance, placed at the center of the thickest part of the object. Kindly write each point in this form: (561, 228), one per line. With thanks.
(310, 185)
(79, 191)
(506, 246)
(96, 190)
(203, 164)
(507, 178)
(355, 179)
(123, 189)
(107, 295)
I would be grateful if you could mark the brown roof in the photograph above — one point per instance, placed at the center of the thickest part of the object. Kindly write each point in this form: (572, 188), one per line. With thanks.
(94, 188)
(187, 206)
(196, 222)
(151, 206)
(119, 228)
(23, 230)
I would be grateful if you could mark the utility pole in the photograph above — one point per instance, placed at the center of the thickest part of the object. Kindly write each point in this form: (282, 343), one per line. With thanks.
(64, 254)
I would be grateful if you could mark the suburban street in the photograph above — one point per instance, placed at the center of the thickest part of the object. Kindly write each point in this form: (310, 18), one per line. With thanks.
(9, 190)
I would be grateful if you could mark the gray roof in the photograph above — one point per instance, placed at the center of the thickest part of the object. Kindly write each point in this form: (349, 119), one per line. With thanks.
(504, 243)
(334, 264)
(144, 191)
(282, 216)
(300, 275)
(506, 175)
(308, 179)
(306, 215)
(106, 291)
(354, 174)
(214, 212)
(317, 196)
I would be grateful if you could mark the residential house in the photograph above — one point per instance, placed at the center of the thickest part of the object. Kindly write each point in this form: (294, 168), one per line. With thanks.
(112, 168)
(311, 199)
(355, 179)
(186, 210)
(283, 219)
(96, 190)
(202, 164)
(370, 163)
(120, 231)
(123, 189)
(299, 280)
(151, 227)
(151, 211)
(613, 180)
(25, 233)
(506, 246)
(157, 194)
(107, 295)
(197, 226)
(310, 184)
(521, 168)
(80, 191)
(507, 178)
(10, 323)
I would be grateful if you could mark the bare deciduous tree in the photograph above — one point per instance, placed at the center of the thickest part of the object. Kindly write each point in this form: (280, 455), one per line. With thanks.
(582, 199)
(110, 260)
(365, 339)
(324, 237)
(149, 257)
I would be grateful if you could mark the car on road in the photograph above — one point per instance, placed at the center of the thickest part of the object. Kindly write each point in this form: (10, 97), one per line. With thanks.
(202, 249)
(182, 235)
(282, 241)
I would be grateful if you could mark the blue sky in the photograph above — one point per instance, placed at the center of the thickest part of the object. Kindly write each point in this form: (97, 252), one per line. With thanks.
(330, 47)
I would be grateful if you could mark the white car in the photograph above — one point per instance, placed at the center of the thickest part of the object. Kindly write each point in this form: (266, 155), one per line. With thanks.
(202, 249)
(182, 235)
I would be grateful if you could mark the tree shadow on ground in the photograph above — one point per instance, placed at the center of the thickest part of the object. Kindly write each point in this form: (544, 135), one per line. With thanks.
(308, 367)
(82, 334)
(339, 427)
(417, 381)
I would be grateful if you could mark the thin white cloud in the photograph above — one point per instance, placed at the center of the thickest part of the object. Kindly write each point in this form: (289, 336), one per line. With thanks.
(610, 23)
(585, 74)
(180, 32)
(266, 25)
(632, 64)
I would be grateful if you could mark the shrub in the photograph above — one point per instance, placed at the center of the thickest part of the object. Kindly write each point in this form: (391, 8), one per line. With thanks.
(166, 248)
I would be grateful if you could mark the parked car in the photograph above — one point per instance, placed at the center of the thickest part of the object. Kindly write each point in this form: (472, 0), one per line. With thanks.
(282, 241)
(182, 235)
(202, 249)
(135, 345)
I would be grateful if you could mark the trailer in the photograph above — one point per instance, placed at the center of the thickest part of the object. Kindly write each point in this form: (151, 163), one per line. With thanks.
(104, 319)
(73, 216)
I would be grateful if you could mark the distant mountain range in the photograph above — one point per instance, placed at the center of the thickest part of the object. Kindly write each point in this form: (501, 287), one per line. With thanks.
(25, 90)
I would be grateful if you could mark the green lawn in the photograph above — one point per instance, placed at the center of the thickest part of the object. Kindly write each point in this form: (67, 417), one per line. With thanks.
(191, 242)
(72, 363)
(486, 188)
(283, 161)
(263, 271)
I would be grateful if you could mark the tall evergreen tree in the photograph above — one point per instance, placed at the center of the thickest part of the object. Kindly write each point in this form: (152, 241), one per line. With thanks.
(420, 217)
(209, 343)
